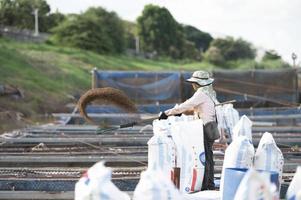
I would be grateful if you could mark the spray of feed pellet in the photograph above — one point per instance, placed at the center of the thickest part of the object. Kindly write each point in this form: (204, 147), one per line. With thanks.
(108, 96)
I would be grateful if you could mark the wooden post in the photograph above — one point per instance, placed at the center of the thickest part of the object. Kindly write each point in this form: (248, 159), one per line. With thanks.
(296, 81)
(176, 176)
(182, 87)
(94, 78)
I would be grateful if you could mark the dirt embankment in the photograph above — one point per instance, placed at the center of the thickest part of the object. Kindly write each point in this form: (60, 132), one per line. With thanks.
(16, 113)
(11, 120)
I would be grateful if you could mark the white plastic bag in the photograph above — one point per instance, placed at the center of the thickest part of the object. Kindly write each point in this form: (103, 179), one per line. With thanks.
(239, 154)
(161, 148)
(243, 128)
(254, 186)
(220, 113)
(294, 190)
(153, 184)
(268, 156)
(221, 125)
(227, 118)
(96, 185)
(189, 140)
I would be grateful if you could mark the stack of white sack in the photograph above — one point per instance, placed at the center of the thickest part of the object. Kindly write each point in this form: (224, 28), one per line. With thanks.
(227, 117)
(294, 190)
(96, 185)
(238, 158)
(268, 156)
(243, 128)
(178, 142)
(153, 184)
(255, 186)
(162, 149)
(190, 153)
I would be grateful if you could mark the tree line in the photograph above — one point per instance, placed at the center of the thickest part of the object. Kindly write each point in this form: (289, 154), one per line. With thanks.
(104, 31)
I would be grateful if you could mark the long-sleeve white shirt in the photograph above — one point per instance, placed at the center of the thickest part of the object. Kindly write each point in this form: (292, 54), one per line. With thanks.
(200, 103)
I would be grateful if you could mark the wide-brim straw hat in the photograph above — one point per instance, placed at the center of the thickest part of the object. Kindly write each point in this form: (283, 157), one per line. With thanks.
(202, 78)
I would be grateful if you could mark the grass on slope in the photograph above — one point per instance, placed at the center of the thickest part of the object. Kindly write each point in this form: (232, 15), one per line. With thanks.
(49, 75)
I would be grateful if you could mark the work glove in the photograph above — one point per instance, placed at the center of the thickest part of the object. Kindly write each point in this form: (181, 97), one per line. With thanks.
(162, 115)
(178, 115)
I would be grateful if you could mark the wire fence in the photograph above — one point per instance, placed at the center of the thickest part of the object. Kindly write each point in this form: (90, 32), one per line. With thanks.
(22, 34)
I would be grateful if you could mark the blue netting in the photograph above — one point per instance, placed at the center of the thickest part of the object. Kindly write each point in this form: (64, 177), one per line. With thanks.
(148, 108)
(269, 86)
(270, 111)
(144, 87)
(274, 85)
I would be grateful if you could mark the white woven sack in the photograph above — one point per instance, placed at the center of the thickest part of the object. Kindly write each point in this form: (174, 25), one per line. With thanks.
(231, 118)
(189, 140)
(254, 186)
(161, 149)
(227, 117)
(294, 190)
(239, 154)
(96, 185)
(243, 128)
(154, 185)
(220, 115)
(268, 156)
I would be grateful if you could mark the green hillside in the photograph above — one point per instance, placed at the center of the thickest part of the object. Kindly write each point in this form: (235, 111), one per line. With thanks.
(50, 76)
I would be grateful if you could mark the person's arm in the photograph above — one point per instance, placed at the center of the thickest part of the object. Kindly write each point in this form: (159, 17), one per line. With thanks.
(189, 104)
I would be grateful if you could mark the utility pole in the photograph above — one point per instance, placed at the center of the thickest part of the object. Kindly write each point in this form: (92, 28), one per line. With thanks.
(36, 20)
(294, 57)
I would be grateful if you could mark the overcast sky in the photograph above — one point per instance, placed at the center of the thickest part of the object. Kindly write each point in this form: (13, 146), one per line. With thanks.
(268, 24)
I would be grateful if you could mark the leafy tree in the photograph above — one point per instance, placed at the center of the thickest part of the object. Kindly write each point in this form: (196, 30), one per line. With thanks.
(272, 59)
(159, 31)
(201, 39)
(19, 13)
(7, 14)
(96, 29)
(271, 55)
(190, 51)
(214, 56)
(130, 34)
(53, 20)
(232, 49)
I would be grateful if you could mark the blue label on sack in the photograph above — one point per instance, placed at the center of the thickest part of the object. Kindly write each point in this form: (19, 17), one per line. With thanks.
(187, 189)
(202, 158)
